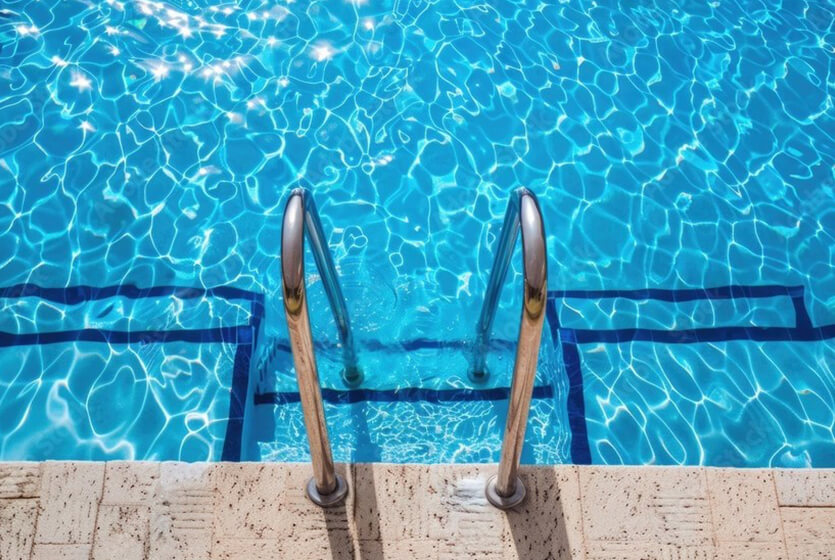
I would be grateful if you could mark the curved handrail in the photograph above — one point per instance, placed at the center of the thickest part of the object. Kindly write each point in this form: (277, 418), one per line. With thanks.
(506, 489)
(326, 487)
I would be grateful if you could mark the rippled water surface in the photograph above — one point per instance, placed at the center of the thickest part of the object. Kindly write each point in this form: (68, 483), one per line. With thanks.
(673, 145)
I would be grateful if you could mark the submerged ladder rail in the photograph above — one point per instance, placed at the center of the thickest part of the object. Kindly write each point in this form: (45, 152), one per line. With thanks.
(505, 490)
(326, 488)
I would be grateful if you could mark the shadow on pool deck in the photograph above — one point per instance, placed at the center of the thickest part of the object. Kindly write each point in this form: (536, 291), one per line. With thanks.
(538, 527)
(442, 513)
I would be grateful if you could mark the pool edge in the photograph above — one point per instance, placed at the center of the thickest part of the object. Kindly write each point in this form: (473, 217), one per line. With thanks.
(258, 510)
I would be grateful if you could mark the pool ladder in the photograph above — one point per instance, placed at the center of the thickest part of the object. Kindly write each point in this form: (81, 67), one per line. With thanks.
(505, 490)
(327, 488)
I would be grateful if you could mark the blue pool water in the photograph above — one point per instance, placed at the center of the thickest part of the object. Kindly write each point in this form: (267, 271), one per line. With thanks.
(682, 152)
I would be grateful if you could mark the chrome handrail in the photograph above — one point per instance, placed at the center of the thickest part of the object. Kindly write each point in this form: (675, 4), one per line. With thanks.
(326, 488)
(506, 490)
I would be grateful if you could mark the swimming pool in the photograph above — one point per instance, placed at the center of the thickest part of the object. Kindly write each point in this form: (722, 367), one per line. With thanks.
(682, 152)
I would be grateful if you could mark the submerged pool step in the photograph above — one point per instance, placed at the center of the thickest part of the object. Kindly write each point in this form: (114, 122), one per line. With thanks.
(418, 367)
(419, 431)
(122, 372)
(406, 410)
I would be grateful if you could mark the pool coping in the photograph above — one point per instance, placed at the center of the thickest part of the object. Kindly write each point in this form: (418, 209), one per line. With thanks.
(201, 511)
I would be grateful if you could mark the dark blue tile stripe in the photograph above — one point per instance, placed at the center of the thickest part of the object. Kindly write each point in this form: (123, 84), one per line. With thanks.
(406, 394)
(711, 334)
(575, 401)
(79, 294)
(219, 334)
(722, 292)
(580, 451)
(232, 443)
(801, 316)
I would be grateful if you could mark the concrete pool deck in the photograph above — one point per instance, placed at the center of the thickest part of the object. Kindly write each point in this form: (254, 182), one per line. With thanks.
(253, 511)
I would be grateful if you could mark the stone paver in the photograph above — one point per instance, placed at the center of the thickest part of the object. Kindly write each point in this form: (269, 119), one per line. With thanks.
(61, 552)
(665, 506)
(625, 550)
(395, 502)
(128, 483)
(330, 526)
(182, 513)
(249, 501)
(20, 480)
(807, 487)
(549, 524)
(161, 511)
(70, 495)
(17, 528)
(810, 532)
(251, 549)
(123, 528)
(744, 505)
(750, 551)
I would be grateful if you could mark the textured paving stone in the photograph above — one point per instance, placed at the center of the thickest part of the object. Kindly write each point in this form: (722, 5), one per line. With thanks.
(660, 505)
(807, 487)
(17, 528)
(20, 480)
(549, 523)
(250, 549)
(310, 524)
(123, 529)
(62, 552)
(810, 532)
(750, 551)
(250, 501)
(471, 550)
(393, 502)
(70, 495)
(410, 549)
(127, 483)
(744, 504)
(461, 512)
(182, 514)
(132, 511)
(624, 550)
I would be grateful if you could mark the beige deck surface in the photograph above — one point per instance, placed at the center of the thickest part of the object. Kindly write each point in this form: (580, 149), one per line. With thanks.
(130, 511)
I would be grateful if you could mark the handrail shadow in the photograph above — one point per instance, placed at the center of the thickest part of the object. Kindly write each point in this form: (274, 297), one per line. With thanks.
(538, 526)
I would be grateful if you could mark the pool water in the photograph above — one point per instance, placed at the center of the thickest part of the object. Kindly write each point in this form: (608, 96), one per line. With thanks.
(683, 153)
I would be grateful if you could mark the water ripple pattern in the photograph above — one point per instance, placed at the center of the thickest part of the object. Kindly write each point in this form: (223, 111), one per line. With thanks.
(672, 143)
